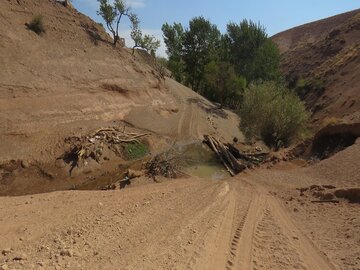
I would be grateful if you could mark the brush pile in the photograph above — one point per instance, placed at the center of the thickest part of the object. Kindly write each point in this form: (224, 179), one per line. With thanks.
(233, 160)
(167, 164)
(93, 145)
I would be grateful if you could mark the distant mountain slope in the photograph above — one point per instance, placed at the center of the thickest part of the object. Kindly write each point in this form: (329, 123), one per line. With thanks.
(322, 60)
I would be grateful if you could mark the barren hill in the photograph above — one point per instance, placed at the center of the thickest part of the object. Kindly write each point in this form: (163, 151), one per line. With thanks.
(322, 60)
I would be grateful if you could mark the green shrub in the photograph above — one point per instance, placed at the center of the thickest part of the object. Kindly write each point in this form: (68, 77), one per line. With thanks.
(273, 113)
(37, 25)
(136, 150)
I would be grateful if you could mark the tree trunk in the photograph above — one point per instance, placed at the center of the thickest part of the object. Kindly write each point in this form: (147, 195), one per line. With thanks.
(116, 38)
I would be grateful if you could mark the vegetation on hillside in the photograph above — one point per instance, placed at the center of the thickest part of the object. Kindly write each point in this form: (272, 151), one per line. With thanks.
(37, 25)
(238, 69)
(146, 42)
(113, 11)
(273, 113)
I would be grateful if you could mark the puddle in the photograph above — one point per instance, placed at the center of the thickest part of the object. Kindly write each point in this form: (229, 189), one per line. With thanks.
(200, 161)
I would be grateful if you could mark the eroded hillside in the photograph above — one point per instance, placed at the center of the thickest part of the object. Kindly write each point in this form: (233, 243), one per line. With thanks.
(69, 82)
(321, 60)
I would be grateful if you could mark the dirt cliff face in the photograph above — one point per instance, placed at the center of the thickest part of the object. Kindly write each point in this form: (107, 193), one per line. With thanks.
(321, 60)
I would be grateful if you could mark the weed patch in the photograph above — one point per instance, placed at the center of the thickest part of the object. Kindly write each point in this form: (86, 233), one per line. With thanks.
(37, 25)
(136, 150)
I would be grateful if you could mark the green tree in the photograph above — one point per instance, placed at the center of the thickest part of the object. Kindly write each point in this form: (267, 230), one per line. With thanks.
(146, 42)
(136, 33)
(201, 42)
(112, 15)
(244, 40)
(266, 63)
(173, 38)
(222, 83)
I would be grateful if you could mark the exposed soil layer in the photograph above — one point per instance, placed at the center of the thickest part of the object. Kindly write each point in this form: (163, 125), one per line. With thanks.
(334, 138)
(320, 60)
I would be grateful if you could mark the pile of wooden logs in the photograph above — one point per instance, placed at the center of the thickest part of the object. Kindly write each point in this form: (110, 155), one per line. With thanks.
(233, 160)
(232, 165)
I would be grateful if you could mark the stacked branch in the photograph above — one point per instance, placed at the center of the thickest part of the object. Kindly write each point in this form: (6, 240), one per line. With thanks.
(252, 158)
(233, 160)
(232, 165)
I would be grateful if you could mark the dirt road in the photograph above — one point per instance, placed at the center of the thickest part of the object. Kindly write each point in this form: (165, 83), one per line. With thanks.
(183, 224)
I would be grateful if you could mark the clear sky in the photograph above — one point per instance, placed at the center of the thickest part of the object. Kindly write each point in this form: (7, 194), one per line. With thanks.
(275, 15)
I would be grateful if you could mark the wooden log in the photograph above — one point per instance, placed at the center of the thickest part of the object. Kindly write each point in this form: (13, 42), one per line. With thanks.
(236, 165)
(212, 144)
(252, 157)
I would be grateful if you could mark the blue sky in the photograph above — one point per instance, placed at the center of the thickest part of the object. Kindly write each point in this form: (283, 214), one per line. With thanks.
(275, 15)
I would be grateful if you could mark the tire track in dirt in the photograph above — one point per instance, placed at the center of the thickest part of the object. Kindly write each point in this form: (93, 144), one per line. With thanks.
(239, 225)
(271, 248)
(268, 227)
(210, 220)
(310, 254)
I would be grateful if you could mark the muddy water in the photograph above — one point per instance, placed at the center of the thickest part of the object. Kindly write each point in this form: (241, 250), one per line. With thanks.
(200, 161)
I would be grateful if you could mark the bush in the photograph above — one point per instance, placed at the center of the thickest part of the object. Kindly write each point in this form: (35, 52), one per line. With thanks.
(37, 25)
(271, 112)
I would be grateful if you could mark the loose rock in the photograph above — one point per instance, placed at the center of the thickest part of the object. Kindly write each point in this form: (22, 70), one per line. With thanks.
(6, 251)
(67, 252)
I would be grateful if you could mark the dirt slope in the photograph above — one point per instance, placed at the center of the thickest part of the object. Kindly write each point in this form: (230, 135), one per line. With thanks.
(70, 82)
(64, 80)
(322, 59)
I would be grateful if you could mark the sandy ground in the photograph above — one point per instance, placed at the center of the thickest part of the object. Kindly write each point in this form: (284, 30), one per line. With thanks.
(257, 220)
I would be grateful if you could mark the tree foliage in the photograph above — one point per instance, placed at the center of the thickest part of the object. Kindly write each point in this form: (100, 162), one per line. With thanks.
(222, 83)
(244, 39)
(199, 47)
(146, 42)
(217, 65)
(273, 113)
(112, 15)
(173, 38)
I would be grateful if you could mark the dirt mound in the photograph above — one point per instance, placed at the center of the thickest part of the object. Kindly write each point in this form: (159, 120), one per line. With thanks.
(321, 60)
(328, 193)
